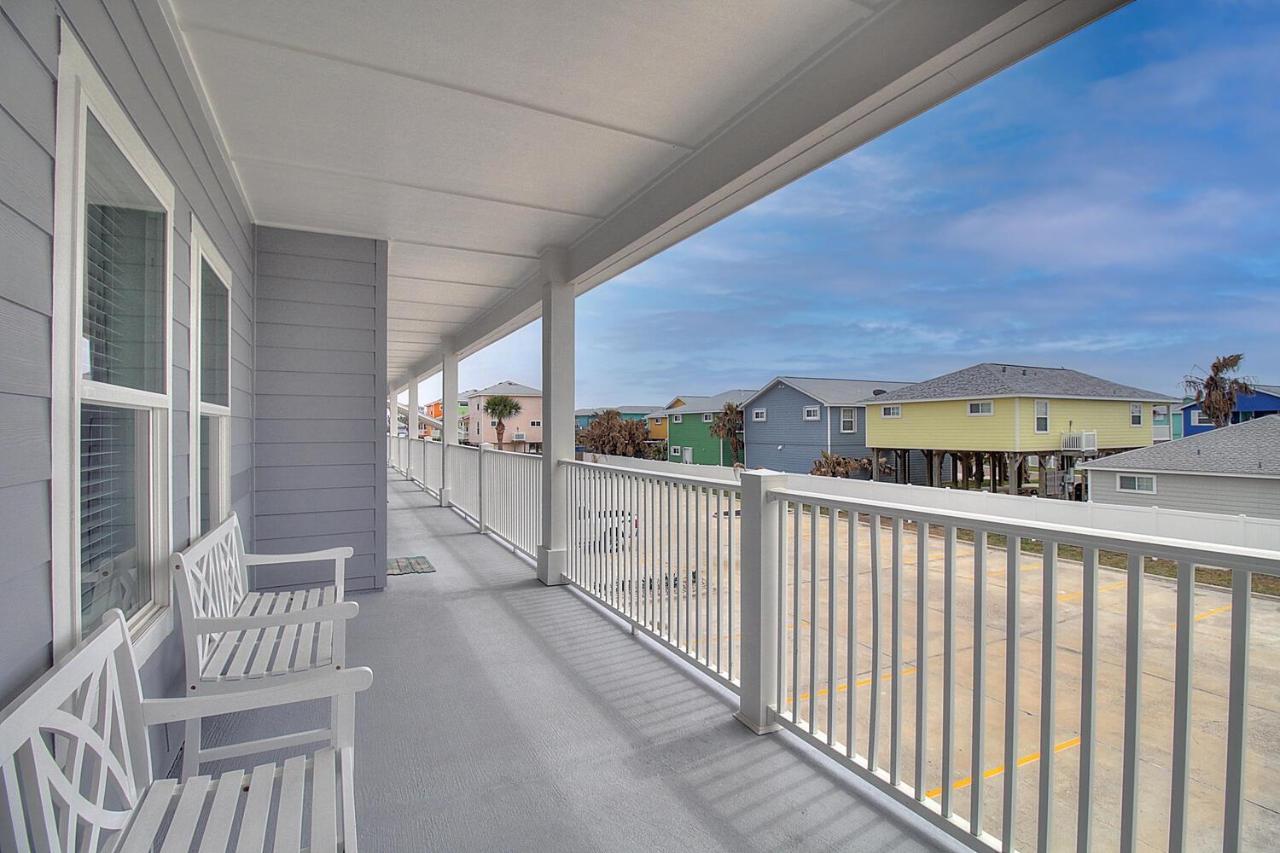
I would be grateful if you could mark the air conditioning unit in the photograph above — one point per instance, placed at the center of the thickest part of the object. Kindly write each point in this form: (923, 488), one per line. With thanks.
(519, 436)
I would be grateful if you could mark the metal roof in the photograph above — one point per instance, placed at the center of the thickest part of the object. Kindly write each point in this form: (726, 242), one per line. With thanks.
(511, 389)
(834, 392)
(1251, 448)
(622, 410)
(992, 379)
(699, 405)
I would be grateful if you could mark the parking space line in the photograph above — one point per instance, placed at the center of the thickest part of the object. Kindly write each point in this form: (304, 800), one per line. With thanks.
(861, 682)
(1029, 758)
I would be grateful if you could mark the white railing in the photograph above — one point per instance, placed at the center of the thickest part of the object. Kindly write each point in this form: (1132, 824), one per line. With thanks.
(904, 675)
(462, 473)
(433, 467)
(510, 499)
(1161, 432)
(663, 552)
(1080, 442)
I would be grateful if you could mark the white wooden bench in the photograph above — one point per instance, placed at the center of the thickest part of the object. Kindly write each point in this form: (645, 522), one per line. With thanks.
(236, 639)
(75, 765)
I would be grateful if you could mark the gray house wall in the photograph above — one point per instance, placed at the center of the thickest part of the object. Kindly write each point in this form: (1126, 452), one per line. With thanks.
(801, 441)
(132, 47)
(1253, 496)
(319, 434)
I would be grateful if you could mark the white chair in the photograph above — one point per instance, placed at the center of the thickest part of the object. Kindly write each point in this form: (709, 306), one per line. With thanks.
(235, 639)
(75, 765)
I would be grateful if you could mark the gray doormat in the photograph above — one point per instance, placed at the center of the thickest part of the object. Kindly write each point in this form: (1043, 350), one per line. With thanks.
(409, 566)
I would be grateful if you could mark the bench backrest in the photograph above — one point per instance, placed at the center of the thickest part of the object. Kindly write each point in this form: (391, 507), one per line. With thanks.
(74, 756)
(210, 581)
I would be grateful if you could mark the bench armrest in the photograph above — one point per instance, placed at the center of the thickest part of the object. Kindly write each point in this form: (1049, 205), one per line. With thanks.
(303, 689)
(339, 556)
(306, 616)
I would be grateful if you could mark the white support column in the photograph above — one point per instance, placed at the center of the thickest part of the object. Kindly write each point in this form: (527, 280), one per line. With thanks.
(448, 416)
(391, 423)
(759, 624)
(557, 410)
(415, 426)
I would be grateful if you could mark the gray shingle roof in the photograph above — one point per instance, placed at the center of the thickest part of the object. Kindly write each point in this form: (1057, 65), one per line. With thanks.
(511, 389)
(698, 405)
(991, 379)
(622, 410)
(1251, 447)
(835, 392)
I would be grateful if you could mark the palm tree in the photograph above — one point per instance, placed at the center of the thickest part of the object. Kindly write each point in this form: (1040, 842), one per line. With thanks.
(1217, 392)
(727, 426)
(611, 434)
(499, 407)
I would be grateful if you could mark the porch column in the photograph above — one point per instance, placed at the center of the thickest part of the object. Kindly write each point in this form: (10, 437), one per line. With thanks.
(448, 415)
(875, 465)
(415, 426)
(557, 410)
(760, 591)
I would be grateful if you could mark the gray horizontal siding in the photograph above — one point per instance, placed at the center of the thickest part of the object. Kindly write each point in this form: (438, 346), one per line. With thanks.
(1256, 497)
(133, 49)
(319, 431)
(785, 441)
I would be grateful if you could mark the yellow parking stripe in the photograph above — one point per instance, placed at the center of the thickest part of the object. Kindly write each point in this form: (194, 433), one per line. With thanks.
(843, 687)
(1029, 758)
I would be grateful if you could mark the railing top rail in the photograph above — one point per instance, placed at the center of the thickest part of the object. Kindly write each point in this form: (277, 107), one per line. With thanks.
(655, 475)
(1224, 556)
(470, 447)
(514, 453)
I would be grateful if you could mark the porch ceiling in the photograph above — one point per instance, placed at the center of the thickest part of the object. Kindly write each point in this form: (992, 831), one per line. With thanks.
(472, 135)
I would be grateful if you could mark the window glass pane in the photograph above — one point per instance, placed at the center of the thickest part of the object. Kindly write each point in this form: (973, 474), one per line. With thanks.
(114, 562)
(205, 467)
(213, 337)
(123, 339)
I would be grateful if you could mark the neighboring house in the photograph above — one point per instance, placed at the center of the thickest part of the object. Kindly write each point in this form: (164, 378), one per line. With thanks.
(793, 419)
(584, 417)
(689, 437)
(1233, 470)
(659, 420)
(996, 415)
(523, 432)
(1265, 400)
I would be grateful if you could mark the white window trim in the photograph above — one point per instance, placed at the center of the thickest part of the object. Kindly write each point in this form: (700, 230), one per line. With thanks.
(203, 248)
(675, 450)
(817, 413)
(884, 411)
(759, 415)
(1198, 418)
(1142, 417)
(677, 419)
(80, 88)
(1135, 491)
(1035, 414)
(969, 407)
(853, 416)
(707, 417)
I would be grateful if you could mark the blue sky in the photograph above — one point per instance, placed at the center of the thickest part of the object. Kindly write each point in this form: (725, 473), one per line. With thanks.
(1111, 204)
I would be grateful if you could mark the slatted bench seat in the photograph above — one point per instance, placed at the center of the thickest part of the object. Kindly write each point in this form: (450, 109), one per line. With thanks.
(236, 639)
(75, 765)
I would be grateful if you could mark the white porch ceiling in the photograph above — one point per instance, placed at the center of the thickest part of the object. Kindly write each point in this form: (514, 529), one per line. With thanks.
(470, 135)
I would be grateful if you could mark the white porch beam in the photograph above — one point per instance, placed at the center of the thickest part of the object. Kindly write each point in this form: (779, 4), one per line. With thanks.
(557, 410)
(448, 416)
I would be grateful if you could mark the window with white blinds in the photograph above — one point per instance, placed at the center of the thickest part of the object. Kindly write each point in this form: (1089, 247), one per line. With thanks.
(111, 395)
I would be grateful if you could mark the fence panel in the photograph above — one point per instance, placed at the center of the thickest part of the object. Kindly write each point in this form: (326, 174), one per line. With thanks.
(511, 488)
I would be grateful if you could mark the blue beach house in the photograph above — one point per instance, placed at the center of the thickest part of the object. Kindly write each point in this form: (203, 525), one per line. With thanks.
(1265, 400)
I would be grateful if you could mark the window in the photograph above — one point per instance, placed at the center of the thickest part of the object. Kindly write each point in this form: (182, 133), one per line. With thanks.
(1135, 414)
(677, 419)
(675, 450)
(1042, 416)
(1141, 483)
(111, 407)
(535, 423)
(759, 415)
(890, 411)
(849, 419)
(210, 385)
(707, 417)
(981, 408)
(493, 423)
(810, 413)
(1198, 418)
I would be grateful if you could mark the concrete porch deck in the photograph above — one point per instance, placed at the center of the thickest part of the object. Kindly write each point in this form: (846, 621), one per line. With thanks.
(508, 715)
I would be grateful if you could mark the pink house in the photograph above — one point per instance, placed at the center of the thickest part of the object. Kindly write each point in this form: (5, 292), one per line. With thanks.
(523, 432)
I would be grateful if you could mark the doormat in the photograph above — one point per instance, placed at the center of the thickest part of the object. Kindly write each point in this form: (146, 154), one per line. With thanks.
(409, 566)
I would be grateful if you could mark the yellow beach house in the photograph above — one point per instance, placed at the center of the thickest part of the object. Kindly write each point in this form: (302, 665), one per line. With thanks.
(657, 421)
(988, 418)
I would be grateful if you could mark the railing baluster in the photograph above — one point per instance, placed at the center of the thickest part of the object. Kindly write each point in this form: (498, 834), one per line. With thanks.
(978, 721)
(1132, 706)
(851, 640)
(873, 722)
(948, 665)
(688, 570)
(1048, 672)
(813, 617)
(797, 508)
(1013, 549)
(922, 656)
(698, 572)
(895, 655)
(1182, 705)
(783, 509)
(720, 583)
(733, 520)
(831, 625)
(1237, 709)
(1088, 689)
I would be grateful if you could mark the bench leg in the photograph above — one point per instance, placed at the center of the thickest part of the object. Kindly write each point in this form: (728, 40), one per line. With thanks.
(191, 750)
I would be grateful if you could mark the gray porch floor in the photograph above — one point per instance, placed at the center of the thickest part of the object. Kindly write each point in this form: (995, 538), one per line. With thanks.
(506, 715)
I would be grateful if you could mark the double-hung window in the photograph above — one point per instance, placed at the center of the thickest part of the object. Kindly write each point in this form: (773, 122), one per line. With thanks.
(849, 419)
(111, 395)
(210, 384)
(810, 413)
(1042, 416)
(1135, 414)
(675, 419)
